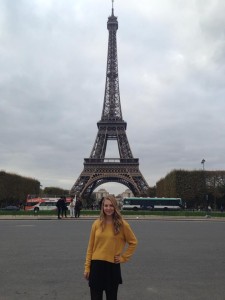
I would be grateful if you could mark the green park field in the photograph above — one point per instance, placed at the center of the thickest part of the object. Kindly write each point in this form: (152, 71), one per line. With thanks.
(215, 214)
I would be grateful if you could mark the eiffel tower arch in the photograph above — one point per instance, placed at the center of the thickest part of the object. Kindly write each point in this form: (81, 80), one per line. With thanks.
(97, 168)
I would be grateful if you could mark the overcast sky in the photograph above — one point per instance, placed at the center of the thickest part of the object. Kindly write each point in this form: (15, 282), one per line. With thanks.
(53, 53)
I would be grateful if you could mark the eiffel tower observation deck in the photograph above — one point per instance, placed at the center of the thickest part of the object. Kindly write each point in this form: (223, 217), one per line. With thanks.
(97, 168)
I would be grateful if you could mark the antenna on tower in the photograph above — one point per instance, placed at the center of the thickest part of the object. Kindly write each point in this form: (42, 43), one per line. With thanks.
(112, 7)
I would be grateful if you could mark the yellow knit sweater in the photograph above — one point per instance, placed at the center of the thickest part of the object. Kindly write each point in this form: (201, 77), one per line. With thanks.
(104, 245)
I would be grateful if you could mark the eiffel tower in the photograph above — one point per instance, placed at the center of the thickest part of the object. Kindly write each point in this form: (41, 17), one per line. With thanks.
(98, 169)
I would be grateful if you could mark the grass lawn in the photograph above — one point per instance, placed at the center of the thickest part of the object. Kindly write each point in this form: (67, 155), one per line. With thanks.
(125, 213)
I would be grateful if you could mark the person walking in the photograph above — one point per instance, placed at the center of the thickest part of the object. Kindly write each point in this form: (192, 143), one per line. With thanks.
(78, 207)
(110, 234)
(72, 207)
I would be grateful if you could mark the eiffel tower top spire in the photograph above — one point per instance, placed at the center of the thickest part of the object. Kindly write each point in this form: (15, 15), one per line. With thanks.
(112, 8)
(112, 107)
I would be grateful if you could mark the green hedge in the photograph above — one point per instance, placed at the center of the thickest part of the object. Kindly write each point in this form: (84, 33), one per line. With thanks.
(125, 213)
(197, 188)
(15, 188)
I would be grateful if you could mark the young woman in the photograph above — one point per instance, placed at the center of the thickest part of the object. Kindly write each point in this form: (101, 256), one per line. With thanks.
(106, 250)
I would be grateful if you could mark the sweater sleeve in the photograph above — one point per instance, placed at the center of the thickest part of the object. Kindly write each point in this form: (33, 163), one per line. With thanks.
(131, 240)
(90, 248)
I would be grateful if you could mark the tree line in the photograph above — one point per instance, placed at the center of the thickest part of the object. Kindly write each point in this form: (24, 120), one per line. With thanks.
(199, 189)
(15, 188)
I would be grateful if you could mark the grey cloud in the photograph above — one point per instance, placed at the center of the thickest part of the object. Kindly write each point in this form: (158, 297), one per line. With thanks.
(52, 80)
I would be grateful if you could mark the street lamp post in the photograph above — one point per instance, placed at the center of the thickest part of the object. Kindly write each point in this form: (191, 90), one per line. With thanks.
(205, 194)
(203, 164)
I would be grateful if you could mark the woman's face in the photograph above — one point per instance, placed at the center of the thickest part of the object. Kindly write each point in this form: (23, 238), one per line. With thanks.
(108, 208)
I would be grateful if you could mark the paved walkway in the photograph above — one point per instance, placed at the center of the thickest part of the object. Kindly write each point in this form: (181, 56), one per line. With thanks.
(44, 260)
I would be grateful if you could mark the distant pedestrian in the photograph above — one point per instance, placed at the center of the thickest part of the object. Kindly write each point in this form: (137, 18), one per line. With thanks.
(78, 207)
(72, 208)
(60, 205)
(100, 203)
(65, 208)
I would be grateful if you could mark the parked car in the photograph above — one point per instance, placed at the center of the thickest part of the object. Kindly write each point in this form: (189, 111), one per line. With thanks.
(10, 208)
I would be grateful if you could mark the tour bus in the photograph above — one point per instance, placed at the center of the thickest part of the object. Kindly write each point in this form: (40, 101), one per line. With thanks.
(36, 204)
(135, 203)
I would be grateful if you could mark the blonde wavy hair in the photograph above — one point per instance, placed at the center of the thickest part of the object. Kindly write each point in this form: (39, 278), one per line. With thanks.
(117, 217)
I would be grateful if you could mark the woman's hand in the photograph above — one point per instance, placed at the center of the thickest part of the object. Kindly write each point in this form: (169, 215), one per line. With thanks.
(86, 275)
(117, 259)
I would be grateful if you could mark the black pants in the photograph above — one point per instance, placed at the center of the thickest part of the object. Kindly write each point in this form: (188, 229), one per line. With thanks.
(64, 212)
(110, 294)
(59, 212)
(77, 213)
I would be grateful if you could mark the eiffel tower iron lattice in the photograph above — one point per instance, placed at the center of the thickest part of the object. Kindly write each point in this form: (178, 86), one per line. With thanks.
(98, 169)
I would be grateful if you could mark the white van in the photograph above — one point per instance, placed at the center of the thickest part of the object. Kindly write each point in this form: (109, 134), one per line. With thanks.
(47, 205)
